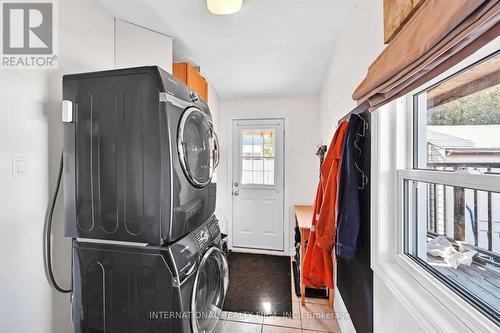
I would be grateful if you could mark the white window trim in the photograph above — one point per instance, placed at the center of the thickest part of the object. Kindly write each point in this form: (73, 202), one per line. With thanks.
(481, 182)
(388, 147)
(434, 306)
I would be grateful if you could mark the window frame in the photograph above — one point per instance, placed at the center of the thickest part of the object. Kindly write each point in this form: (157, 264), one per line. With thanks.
(481, 182)
(407, 170)
(279, 144)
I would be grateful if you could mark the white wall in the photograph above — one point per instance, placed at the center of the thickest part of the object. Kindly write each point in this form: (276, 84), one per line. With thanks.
(24, 293)
(390, 315)
(30, 125)
(138, 46)
(302, 131)
(214, 106)
(358, 45)
(360, 41)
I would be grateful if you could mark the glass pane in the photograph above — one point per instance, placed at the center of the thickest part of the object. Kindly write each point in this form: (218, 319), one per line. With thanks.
(257, 154)
(257, 146)
(269, 164)
(247, 150)
(258, 177)
(209, 294)
(246, 164)
(196, 141)
(246, 177)
(458, 121)
(269, 178)
(269, 137)
(269, 150)
(456, 232)
(258, 164)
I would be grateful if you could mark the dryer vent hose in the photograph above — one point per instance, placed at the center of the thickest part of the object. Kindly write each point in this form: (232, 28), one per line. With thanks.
(49, 214)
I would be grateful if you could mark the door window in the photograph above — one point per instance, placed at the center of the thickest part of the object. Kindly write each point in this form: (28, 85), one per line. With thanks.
(258, 156)
(198, 149)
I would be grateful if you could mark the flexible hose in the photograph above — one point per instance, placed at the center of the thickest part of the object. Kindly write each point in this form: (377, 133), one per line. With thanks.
(49, 214)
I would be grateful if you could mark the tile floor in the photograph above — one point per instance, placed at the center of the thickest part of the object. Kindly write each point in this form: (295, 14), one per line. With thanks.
(315, 316)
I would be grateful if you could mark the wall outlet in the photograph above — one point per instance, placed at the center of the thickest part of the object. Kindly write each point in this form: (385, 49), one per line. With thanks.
(20, 166)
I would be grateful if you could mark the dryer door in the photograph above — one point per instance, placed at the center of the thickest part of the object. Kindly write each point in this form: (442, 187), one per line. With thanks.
(209, 291)
(198, 147)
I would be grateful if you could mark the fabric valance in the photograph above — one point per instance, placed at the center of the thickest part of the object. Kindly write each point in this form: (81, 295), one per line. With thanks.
(439, 35)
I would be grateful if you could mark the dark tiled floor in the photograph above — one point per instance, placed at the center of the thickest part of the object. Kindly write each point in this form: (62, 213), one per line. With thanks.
(315, 316)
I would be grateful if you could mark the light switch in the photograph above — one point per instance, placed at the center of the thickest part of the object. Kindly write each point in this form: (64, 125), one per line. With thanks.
(20, 166)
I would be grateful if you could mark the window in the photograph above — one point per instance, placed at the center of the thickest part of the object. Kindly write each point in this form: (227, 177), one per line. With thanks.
(459, 120)
(451, 196)
(258, 157)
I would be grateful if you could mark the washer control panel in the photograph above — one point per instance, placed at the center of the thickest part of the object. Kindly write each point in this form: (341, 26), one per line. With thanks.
(207, 234)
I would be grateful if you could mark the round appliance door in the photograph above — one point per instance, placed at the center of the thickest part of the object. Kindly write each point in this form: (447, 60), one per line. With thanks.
(198, 147)
(210, 287)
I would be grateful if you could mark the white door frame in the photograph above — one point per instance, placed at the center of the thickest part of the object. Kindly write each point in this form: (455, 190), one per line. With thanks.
(288, 227)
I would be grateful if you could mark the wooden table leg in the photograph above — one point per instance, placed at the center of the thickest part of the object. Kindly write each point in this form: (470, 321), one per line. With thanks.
(330, 297)
(302, 254)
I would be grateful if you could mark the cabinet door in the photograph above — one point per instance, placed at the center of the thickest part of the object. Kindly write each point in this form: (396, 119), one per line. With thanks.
(180, 71)
(192, 78)
(197, 83)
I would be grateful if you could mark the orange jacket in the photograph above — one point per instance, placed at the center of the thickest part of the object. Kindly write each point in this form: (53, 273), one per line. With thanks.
(330, 169)
(317, 270)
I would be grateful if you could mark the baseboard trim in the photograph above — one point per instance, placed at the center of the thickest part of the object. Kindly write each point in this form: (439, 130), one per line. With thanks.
(343, 317)
(258, 251)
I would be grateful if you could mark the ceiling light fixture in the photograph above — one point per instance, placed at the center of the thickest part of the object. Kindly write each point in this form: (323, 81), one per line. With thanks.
(224, 7)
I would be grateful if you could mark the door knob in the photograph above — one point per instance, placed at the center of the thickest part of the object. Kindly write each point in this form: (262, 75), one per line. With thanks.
(236, 193)
(236, 184)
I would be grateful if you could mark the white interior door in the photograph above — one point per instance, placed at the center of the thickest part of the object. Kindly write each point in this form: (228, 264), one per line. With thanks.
(258, 185)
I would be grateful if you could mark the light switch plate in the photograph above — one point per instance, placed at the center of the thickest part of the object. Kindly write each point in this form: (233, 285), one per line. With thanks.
(20, 166)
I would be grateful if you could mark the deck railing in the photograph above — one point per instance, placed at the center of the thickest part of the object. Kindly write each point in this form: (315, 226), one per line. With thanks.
(439, 200)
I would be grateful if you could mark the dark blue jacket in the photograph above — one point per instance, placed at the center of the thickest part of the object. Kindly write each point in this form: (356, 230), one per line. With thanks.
(351, 180)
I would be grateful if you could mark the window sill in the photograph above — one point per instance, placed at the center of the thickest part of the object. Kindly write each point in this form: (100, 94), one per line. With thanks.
(433, 305)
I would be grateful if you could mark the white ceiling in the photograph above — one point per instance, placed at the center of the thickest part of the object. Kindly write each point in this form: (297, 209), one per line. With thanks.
(270, 48)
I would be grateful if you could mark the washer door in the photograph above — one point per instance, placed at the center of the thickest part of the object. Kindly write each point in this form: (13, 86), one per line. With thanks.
(209, 291)
(198, 147)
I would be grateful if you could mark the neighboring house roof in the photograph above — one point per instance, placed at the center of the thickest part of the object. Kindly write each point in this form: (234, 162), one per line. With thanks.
(443, 140)
(465, 137)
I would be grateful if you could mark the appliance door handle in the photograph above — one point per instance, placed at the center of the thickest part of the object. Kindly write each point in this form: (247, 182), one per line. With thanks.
(192, 270)
(225, 273)
(225, 280)
(216, 149)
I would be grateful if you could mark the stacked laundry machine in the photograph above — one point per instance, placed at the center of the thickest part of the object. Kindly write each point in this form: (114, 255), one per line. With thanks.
(139, 154)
